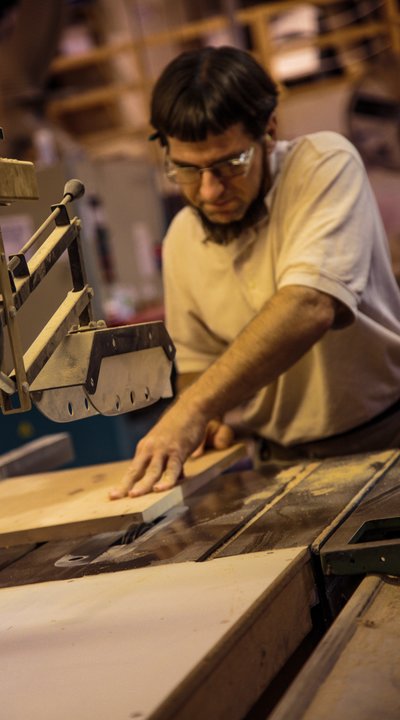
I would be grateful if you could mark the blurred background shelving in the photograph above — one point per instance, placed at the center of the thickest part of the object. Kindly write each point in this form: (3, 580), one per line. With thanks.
(110, 53)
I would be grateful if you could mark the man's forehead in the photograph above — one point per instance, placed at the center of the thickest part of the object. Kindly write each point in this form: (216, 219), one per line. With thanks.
(234, 139)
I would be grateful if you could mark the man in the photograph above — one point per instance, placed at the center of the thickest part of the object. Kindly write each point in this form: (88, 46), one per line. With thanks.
(279, 291)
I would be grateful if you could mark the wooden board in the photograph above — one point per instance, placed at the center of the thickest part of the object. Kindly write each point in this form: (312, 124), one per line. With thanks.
(189, 640)
(41, 455)
(354, 673)
(74, 502)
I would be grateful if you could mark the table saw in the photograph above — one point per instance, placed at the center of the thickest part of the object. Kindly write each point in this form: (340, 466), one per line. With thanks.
(210, 609)
(238, 594)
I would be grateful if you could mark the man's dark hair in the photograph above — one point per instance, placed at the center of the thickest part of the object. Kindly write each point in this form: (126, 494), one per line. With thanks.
(209, 90)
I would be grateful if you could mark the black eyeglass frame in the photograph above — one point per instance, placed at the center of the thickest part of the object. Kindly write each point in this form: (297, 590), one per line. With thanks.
(222, 169)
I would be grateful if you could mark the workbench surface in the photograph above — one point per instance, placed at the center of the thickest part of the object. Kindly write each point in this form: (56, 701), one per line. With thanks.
(243, 520)
(118, 645)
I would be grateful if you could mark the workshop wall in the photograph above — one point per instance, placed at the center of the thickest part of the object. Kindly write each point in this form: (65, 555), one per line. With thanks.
(328, 109)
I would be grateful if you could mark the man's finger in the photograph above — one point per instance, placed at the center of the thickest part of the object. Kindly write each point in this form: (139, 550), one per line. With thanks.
(170, 476)
(199, 450)
(224, 437)
(208, 440)
(122, 490)
(135, 471)
(149, 478)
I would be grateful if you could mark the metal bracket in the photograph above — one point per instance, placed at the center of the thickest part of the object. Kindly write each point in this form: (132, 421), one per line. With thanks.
(62, 218)
(373, 548)
(21, 268)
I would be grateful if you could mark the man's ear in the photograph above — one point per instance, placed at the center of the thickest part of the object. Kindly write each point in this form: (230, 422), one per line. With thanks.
(271, 128)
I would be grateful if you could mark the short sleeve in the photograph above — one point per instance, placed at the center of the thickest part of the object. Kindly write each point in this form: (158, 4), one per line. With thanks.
(328, 225)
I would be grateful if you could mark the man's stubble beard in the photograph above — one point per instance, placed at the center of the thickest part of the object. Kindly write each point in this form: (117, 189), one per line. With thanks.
(224, 233)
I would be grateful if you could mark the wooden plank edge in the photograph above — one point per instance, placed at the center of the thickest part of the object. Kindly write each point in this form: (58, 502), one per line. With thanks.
(295, 702)
(250, 654)
(90, 527)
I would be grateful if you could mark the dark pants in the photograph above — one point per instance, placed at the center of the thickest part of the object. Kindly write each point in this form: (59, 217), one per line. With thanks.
(380, 433)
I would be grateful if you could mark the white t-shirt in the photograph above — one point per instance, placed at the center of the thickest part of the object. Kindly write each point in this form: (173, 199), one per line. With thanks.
(323, 231)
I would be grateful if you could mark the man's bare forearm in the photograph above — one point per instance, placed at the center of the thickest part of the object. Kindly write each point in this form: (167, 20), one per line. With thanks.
(284, 330)
(183, 380)
(289, 324)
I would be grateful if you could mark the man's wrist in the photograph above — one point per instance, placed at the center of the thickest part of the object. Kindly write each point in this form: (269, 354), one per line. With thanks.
(201, 403)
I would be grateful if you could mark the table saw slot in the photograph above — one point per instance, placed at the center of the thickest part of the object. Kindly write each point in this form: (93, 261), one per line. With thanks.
(93, 548)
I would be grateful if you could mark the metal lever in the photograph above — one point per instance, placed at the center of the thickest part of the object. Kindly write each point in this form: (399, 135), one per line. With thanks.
(76, 367)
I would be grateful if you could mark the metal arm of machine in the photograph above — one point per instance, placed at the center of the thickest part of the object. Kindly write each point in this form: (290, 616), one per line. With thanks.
(76, 367)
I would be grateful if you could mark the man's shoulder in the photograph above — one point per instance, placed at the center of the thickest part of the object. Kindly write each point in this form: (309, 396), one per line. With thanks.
(324, 141)
(185, 224)
(325, 151)
(185, 220)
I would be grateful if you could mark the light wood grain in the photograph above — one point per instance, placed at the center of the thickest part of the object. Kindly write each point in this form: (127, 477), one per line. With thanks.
(124, 644)
(74, 502)
(354, 673)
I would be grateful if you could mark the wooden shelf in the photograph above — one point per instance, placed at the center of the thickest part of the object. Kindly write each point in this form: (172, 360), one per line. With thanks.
(90, 98)
(97, 55)
(110, 94)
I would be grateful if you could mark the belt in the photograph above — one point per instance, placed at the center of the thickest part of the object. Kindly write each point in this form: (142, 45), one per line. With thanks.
(355, 440)
(391, 410)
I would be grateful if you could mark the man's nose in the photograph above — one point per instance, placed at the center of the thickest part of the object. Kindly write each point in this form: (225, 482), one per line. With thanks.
(211, 187)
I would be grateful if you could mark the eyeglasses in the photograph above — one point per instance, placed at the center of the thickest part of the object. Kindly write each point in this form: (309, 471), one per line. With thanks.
(223, 170)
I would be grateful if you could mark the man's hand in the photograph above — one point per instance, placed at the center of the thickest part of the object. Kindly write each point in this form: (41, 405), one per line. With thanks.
(288, 325)
(218, 436)
(160, 455)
